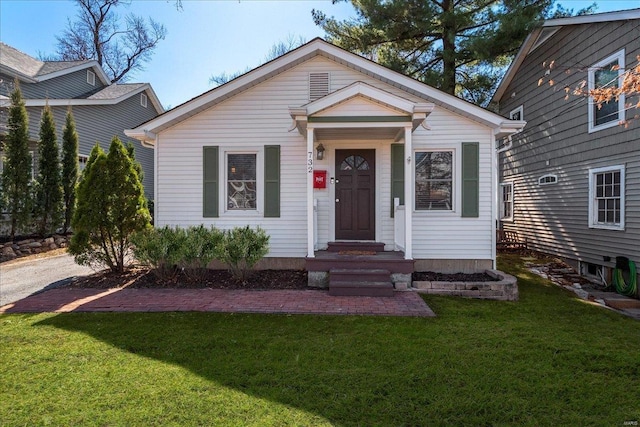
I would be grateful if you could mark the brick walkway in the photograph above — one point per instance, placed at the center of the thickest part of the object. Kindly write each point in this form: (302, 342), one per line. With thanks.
(219, 300)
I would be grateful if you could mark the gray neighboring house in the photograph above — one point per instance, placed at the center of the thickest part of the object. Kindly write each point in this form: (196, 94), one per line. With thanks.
(570, 184)
(101, 109)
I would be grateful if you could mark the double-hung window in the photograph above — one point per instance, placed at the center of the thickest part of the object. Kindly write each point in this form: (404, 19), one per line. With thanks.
(606, 74)
(506, 201)
(434, 180)
(606, 198)
(241, 181)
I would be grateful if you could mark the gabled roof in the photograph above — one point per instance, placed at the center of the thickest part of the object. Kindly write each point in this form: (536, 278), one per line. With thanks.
(26, 68)
(318, 47)
(31, 70)
(547, 30)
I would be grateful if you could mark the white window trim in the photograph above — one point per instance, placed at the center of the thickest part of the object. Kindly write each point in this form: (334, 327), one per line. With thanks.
(259, 211)
(143, 100)
(520, 110)
(503, 217)
(548, 175)
(85, 160)
(456, 182)
(593, 213)
(619, 56)
(91, 77)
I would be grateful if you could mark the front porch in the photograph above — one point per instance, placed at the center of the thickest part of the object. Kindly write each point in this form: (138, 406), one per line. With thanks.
(359, 268)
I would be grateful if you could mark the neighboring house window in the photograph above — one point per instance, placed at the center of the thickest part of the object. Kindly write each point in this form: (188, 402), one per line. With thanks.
(506, 201)
(241, 181)
(91, 77)
(517, 114)
(606, 197)
(82, 162)
(143, 100)
(547, 179)
(434, 180)
(606, 73)
(318, 85)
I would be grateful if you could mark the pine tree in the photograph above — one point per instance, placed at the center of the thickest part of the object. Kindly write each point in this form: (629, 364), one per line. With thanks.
(457, 46)
(111, 207)
(48, 182)
(69, 168)
(16, 196)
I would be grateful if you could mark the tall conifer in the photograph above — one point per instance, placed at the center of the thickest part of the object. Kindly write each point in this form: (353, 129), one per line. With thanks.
(16, 196)
(69, 168)
(49, 181)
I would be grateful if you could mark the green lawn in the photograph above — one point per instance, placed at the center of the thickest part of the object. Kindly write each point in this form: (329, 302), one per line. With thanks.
(548, 359)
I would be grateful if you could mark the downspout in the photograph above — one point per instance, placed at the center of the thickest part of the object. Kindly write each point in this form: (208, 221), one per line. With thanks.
(496, 192)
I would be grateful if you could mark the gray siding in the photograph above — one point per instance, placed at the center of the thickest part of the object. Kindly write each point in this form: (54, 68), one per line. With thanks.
(68, 86)
(554, 218)
(99, 123)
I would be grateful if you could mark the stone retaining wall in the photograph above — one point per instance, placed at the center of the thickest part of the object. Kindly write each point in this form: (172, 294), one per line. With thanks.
(506, 288)
(20, 248)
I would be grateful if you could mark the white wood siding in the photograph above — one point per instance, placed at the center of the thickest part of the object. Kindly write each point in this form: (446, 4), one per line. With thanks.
(260, 116)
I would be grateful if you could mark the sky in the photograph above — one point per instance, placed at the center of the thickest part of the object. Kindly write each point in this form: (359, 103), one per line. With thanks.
(204, 39)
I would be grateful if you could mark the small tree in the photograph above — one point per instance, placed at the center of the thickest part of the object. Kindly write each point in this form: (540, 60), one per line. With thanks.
(69, 168)
(49, 183)
(111, 207)
(16, 197)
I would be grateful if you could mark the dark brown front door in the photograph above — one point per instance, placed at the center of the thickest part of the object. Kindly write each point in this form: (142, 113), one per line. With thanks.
(355, 195)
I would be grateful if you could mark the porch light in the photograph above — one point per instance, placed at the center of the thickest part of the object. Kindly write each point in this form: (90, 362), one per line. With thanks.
(320, 152)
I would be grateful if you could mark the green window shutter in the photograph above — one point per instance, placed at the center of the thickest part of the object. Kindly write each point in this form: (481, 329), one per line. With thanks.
(210, 185)
(272, 181)
(397, 173)
(470, 180)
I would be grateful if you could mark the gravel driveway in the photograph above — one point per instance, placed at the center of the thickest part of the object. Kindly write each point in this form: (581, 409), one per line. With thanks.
(23, 277)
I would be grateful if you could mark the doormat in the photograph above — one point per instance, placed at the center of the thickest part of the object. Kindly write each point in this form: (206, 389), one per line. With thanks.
(357, 253)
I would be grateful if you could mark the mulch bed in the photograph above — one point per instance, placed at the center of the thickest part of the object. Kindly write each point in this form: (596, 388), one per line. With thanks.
(138, 277)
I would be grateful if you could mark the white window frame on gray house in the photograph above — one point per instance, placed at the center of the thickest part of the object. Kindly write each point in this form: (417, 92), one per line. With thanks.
(82, 162)
(91, 77)
(548, 179)
(506, 203)
(605, 66)
(143, 100)
(606, 197)
(517, 113)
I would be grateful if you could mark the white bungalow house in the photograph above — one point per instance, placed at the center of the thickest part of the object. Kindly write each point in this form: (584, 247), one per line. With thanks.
(325, 149)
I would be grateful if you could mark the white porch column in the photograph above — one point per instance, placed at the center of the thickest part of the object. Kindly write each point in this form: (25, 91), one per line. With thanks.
(309, 166)
(408, 194)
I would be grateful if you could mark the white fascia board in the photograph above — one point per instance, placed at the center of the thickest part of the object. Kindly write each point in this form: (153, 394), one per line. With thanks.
(73, 101)
(148, 139)
(509, 127)
(89, 64)
(618, 15)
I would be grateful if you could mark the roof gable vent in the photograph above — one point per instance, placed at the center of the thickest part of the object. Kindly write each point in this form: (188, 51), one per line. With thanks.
(318, 85)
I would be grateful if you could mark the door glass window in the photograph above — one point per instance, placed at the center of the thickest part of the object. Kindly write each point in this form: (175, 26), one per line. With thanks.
(354, 163)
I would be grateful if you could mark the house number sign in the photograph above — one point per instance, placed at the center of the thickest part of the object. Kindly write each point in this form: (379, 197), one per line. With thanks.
(309, 161)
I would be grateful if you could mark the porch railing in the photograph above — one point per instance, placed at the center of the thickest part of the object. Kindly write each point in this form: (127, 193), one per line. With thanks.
(398, 224)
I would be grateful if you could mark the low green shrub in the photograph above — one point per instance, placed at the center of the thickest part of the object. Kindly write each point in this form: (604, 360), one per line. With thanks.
(199, 249)
(160, 249)
(241, 248)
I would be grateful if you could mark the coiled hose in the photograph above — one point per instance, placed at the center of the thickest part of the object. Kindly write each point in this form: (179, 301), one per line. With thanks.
(623, 287)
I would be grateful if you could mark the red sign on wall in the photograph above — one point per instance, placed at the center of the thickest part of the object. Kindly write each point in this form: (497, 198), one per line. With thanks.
(319, 179)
